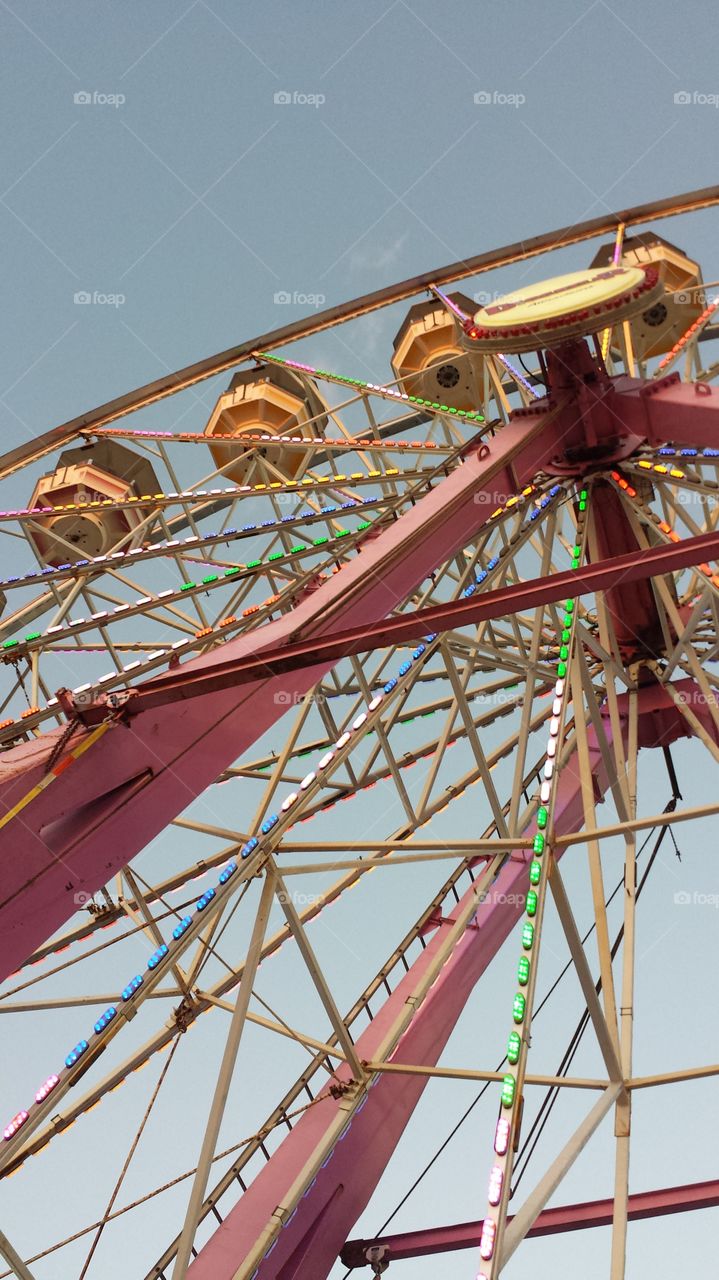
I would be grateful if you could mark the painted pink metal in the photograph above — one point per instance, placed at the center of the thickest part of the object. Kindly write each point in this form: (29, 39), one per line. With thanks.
(567, 1217)
(111, 802)
(108, 804)
(322, 1219)
(323, 1216)
(632, 569)
(685, 413)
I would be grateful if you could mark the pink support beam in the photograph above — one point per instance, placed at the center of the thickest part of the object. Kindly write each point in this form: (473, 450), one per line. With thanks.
(319, 1224)
(112, 801)
(686, 413)
(321, 1219)
(568, 1217)
(628, 570)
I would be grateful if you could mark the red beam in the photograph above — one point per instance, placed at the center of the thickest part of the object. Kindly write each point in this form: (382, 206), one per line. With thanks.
(312, 1235)
(571, 1217)
(592, 578)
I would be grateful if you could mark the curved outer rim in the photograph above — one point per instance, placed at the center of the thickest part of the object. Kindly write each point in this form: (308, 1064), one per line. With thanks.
(670, 206)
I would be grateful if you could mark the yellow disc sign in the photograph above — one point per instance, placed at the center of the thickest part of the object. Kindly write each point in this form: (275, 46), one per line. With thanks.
(547, 314)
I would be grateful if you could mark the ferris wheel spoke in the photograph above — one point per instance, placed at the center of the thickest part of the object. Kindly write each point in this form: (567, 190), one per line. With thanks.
(473, 738)
(222, 856)
(673, 626)
(594, 857)
(447, 967)
(226, 984)
(528, 1213)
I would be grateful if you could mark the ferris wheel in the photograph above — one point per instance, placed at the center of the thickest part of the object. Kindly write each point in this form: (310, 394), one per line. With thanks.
(259, 651)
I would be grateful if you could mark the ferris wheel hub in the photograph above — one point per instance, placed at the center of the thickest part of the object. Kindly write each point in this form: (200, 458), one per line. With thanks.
(553, 311)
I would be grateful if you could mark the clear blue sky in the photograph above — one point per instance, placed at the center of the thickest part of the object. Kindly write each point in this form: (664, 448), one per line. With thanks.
(184, 189)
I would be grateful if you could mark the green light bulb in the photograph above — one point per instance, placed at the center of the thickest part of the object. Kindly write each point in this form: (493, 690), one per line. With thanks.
(523, 971)
(514, 1044)
(531, 903)
(528, 936)
(509, 1085)
(518, 1007)
(535, 871)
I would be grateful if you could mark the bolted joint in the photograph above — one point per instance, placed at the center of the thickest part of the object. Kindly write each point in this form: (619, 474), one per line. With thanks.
(378, 1257)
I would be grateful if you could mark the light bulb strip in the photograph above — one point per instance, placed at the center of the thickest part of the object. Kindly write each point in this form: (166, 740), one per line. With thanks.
(467, 319)
(230, 493)
(431, 407)
(254, 853)
(710, 456)
(669, 533)
(14, 647)
(522, 1006)
(692, 332)
(248, 440)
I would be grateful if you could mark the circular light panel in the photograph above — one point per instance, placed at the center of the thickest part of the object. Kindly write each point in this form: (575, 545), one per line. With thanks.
(548, 313)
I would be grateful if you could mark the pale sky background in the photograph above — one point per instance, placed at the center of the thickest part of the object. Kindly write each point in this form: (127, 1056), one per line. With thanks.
(184, 189)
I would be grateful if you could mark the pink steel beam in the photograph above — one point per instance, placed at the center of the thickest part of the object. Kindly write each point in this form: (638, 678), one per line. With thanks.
(337, 1194)
(568, 1217)
(634, 567)
(686, 413)
(112, 801)
(322, 1219)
